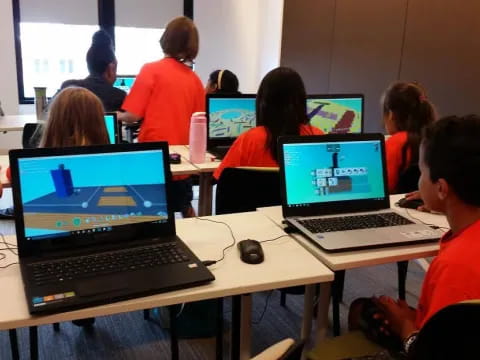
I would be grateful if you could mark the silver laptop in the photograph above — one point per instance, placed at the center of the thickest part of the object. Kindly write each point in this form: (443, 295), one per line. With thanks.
(334, 191)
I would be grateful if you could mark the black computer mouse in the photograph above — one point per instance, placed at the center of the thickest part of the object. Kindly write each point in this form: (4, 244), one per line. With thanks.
(410, 204)
(251, 251)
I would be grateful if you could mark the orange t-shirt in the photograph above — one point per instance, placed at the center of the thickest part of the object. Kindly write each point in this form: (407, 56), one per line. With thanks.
(393, 152)
(165, 94)
(453, 276)
(249, 149)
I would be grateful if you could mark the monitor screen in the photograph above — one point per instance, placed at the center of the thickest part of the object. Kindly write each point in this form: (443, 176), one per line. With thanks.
(336, 114)
(229, 117)
(333, 171)
(110, 124)
(89, 193)
(124, 82)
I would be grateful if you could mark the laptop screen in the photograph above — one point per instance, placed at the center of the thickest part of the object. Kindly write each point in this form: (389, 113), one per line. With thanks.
(336, 114)
(110, 124)
(230, 116)
(68, 195)
(337, 171)
(124, 82)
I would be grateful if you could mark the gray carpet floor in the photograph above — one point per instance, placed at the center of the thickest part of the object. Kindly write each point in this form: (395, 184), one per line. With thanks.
(129, 336)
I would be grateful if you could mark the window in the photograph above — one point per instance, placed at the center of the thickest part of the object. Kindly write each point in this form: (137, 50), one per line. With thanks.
(53, 53)
(52, 37)
(135, 47)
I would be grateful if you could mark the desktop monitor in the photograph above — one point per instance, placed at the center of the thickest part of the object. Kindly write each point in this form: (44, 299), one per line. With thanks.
(112, 127)
(124, 82)
(336, 114)
(229, 116)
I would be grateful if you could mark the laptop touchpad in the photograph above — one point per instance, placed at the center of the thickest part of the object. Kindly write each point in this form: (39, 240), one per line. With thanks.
(95, 287)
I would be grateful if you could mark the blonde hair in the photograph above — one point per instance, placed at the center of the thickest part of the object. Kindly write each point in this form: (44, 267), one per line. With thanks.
(76, 118)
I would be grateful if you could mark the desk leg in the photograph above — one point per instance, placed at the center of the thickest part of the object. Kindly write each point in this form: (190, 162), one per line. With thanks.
(322, 311)
(219, 338)
(205, 194)
(14, 344)
(337, 290)
(241, 327)
(33, 343)
(402, 278)
(173, 333)
(246, 327)
(308, 300)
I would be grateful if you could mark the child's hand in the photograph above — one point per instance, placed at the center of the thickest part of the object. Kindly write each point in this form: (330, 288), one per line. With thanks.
(398, 316)
(415, 195)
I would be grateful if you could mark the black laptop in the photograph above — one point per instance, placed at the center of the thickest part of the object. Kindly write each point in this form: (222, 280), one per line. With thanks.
(95, 225)
(228, 116)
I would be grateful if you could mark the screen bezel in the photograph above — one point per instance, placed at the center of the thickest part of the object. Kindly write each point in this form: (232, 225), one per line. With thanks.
(116, 127)
(119, 235)
(226, 141)
(343, 96)
(126, 77)
(333, 207)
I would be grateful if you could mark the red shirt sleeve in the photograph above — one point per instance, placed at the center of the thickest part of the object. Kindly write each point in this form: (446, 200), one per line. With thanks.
(138, 99)
(393, 152)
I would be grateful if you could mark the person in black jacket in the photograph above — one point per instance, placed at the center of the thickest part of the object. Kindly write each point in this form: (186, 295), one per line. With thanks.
(102, 66)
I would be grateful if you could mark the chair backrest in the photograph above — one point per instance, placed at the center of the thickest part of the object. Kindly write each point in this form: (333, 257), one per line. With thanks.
(31, 135)
(245, 189)
(452, 333)
(408, 180)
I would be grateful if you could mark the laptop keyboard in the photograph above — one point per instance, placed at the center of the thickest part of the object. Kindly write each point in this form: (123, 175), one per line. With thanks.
(356, 222)
(107, 263)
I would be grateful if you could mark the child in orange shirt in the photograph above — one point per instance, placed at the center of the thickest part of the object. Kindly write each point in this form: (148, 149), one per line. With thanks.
(165, 95)
(449, 159)
(406, 112)
(281, 110)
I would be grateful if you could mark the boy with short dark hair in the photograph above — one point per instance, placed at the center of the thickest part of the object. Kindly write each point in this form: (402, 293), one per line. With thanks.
(450, 166)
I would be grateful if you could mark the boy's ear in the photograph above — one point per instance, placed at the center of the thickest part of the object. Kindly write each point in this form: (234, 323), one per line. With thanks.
(442, 189)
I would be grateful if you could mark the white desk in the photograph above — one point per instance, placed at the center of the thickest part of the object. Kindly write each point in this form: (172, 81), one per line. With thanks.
(233, 277)
(16, 122)
(339, 262)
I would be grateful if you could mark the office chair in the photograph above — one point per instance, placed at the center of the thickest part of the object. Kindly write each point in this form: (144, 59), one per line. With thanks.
(246, 189)
(31, 135)
(287, 349)
(452, 333)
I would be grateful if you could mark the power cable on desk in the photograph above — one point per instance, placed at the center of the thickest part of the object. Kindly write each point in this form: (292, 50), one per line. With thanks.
(8, 247)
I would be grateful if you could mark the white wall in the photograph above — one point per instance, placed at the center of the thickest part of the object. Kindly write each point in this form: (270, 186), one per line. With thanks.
(8, 72)
(242, 36)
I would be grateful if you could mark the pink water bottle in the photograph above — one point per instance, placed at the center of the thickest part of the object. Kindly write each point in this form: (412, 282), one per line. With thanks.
(198, 137)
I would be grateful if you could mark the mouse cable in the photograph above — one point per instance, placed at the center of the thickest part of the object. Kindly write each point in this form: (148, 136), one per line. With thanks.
(278, 237)
(211, 262)
(264, 309)
(433, 226)
(9, 246)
